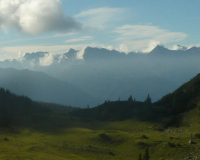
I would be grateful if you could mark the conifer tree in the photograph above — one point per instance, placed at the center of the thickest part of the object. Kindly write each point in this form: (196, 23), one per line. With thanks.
(148, 100)
(130, 99)
(146, 154)
(140, 157)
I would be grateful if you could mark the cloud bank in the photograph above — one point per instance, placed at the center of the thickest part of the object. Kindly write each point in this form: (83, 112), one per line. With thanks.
(35, 16)
(138, 37)
(47, 60)
(179, 47)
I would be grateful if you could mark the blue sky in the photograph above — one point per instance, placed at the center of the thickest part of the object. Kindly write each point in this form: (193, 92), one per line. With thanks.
(128, 25)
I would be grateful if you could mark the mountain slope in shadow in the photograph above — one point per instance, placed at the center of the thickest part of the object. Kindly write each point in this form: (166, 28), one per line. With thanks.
(41, 87)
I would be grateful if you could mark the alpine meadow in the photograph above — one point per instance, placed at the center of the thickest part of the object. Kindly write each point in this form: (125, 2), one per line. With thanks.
(99, 80)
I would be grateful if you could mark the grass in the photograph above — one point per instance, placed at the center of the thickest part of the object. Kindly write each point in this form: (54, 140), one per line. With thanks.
(92, 140)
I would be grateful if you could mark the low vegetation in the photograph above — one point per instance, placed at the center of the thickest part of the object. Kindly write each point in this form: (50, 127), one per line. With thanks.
(112, 131)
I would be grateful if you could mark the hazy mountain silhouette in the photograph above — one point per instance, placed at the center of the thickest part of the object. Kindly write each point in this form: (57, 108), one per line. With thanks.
(167, 111)
(112, 85)
(110, 74)
(101, 54)
(41, 87)
(160, 51)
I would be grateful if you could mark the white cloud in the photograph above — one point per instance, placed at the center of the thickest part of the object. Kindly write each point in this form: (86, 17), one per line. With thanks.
(7, 55)
(13, 52)
(57, 49)
(178, 47)
(169, 37)
(138, 31)
(47, 60)
(20, 55)
(138, 37)
(35, 16)
(25, 39)
(80, 54)
(100, 18)
(79, 39)
(123, 48)
(64, 34)
(152, 44)
(192, 45)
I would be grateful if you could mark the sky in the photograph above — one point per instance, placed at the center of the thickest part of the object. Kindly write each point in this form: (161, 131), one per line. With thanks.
(129, 25)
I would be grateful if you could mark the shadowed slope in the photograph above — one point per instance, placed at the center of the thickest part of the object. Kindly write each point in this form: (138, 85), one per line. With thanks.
(184, 98)
(42, 87)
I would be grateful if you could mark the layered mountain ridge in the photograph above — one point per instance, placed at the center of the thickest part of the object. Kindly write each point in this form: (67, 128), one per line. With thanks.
(42, 87)
(103, 53)
(110, 75)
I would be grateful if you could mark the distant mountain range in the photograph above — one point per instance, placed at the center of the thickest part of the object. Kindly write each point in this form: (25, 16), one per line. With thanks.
(41, 87)
(111, 75)
(101, 53)
(168, 111)
(34, 60)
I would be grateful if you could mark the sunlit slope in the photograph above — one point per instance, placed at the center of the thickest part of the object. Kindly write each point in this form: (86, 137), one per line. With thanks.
(183, 99)
(50, 135)
(103, 140)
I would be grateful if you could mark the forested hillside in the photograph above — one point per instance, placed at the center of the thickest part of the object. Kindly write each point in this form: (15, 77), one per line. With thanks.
(167, 129)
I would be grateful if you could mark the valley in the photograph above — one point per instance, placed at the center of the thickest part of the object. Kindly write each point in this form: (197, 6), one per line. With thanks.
(103, 140)
(99, 80)
(42, 131)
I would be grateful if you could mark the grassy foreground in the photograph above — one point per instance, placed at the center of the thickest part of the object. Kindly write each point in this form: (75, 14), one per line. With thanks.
(92, 140)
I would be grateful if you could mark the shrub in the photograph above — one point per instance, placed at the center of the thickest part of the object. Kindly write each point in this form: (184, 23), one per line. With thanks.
(171, 144)
(105, 137)
(197, 135)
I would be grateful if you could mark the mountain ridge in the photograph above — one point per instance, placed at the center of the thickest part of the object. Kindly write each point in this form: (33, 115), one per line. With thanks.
(42, 87)
(170, 107)
(72, 53)
(110, 74)
(184, 98)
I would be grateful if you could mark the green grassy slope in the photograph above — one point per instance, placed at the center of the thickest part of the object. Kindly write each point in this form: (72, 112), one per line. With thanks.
(42, 134)
(183, 99)
(103, 140)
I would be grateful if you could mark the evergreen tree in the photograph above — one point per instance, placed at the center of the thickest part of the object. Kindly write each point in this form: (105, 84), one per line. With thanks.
(140, 157)
(148, 100)
(146, 154)
(130, 99)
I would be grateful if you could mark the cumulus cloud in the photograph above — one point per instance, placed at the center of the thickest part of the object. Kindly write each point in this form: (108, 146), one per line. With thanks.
(80, 54)
(57, 49)
(79, 39)
(47, 60)
(100, 18)
(35, 16)
(123, 48)
(20, 54)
